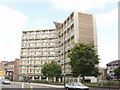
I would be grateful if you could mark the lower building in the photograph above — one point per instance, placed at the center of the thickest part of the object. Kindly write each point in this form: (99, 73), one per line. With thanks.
(103, 75)
(110, 68)
(16, 70)
(2, 74)
(2, 65)
(2, 69)
(9, 69)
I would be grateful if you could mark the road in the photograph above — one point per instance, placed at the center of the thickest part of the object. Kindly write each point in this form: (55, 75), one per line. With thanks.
(17, 86)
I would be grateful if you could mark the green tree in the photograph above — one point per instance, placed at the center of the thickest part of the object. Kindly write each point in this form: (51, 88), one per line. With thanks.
(117, 72)
(51, 70)
(108, 77)
(84, 60)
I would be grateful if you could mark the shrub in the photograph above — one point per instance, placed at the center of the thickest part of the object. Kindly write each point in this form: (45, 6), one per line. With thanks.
(38, 81)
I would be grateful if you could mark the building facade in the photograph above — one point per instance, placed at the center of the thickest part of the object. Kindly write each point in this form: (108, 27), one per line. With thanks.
(36, 45)
(9, 69)
(78, 27)
(103, 75)
(16, 70)
(110, 68)
(2, 65)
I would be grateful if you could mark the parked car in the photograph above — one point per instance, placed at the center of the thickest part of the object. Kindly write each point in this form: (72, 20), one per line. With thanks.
(76, 86)
(5, 81)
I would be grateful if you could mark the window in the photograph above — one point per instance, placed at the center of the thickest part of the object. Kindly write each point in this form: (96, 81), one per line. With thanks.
(51, 57)
(45, 52)
(51, 48)
(52, 52)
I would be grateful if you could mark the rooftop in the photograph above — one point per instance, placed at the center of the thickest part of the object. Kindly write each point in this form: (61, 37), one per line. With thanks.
(114, 62)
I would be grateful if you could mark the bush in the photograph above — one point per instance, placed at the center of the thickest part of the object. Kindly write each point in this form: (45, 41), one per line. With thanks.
(38, 81)
(111, 83)
(107, 83)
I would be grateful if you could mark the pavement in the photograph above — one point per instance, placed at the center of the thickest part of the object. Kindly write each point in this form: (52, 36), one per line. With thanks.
(44, 85)
(49, 85)
(53, 86)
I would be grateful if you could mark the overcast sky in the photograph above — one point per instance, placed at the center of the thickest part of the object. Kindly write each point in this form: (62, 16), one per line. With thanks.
(19, 15)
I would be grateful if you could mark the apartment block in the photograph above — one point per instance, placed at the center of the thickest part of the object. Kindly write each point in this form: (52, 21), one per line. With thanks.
(78, 27)
(38, 47)
(110, 68)
(43, 46)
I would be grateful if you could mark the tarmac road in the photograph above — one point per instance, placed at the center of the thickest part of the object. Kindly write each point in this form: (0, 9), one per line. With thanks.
(18, 86)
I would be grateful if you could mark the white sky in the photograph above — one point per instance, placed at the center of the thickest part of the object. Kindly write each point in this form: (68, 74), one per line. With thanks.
(15, 19)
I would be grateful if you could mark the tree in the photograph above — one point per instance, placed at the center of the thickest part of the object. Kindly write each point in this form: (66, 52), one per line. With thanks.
(84, 60)
(117, 72)
(108, 77)
(51, 70)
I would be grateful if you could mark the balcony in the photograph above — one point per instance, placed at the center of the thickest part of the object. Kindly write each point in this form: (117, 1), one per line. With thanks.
(40, 38)
(68, 26)
(38, 46)
(32, 73)
(67, 48)
(38, 55)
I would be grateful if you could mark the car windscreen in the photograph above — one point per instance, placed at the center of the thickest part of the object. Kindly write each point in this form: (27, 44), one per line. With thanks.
(79, 84)
(5, 80)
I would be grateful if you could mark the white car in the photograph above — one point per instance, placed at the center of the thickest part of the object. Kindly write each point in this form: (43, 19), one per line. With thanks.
(76, 86)
(5, 81)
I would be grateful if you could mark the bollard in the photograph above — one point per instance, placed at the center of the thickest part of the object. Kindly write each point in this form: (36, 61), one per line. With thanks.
(0, 86)
(31, 87)
(22, 85)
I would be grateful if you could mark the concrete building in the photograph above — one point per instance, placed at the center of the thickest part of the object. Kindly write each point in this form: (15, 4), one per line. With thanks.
(78, 27)
(38, 47)
(111, 66)
(43, 46)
